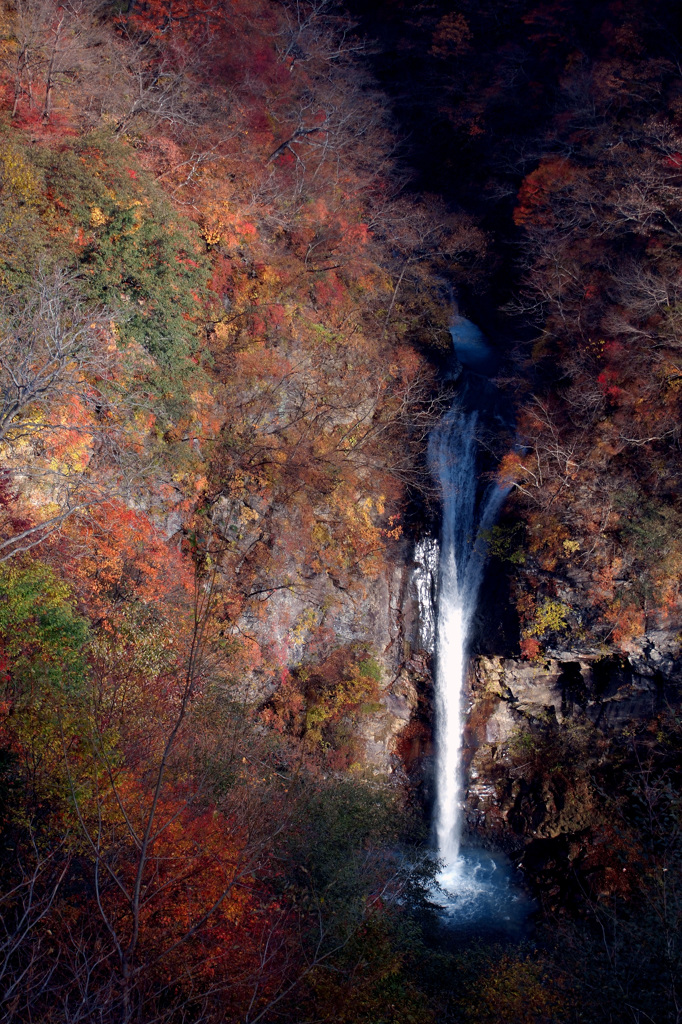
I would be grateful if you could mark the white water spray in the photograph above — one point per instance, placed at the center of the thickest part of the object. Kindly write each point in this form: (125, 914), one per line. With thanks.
(453, 456)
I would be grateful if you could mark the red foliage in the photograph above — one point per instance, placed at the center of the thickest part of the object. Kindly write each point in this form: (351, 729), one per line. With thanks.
(538, 189)
(530, 648)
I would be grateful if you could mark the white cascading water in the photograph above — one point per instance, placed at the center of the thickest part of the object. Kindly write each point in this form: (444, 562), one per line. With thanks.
(475, 888)
(453, 456)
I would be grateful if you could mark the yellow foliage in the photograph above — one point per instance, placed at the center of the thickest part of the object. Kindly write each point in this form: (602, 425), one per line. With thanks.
(97, 218)
(550, 617)
(247, 515)
(222, 330)
(321, 534)
(18, 183)
(211, 237)
(306, 622)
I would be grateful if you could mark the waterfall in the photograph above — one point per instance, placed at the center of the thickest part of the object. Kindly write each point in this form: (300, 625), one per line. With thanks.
(453, 449)
(475, 889)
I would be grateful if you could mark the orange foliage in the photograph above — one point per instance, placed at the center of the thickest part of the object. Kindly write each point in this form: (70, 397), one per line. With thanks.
(116, 557)
(198, 915)
(627, 621)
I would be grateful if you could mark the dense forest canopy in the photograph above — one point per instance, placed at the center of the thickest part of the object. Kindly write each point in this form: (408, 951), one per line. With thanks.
(231, 236)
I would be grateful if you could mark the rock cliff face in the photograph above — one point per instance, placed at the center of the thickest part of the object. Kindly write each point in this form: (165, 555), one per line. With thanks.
(609, 690)
(297, 602)
(383, 732)
(538, 734)
(299, 618)
(513, 702)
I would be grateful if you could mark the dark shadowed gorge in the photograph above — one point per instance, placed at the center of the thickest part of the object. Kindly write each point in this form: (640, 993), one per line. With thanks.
(340, 512)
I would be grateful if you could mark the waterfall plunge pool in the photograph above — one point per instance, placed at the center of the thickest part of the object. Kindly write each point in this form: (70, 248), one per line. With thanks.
(479, 894)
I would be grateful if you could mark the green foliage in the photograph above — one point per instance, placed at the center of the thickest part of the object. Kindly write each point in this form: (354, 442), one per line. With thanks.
(138, 253)
(338, 692)
(88, 205)
(523, 744)
(43, 644)
(42, 639)
(345, 867)
(371, 669)
(336, 825)
(505, 541)
(650, 527)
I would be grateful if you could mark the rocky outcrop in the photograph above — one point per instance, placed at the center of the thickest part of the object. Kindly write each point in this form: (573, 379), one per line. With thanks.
(381, 730)
(300, 616)
(609, 690)
(289, 603)
(529, 720)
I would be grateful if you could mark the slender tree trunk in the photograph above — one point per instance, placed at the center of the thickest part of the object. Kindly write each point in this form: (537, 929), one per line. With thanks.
(394, 297)
(29, 82)
(22, 68)
(49, 80)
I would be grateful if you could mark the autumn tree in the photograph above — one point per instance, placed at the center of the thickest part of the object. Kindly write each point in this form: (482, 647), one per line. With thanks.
(58, 417)
(600, 245)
